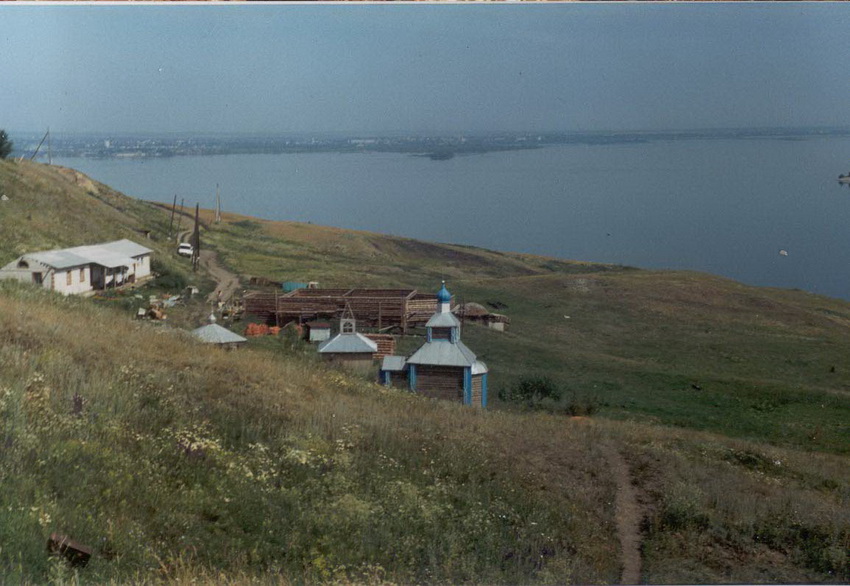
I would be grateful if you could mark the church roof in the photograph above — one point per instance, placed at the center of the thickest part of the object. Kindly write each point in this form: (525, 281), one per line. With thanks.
(442, 353)
(348, 344)
(443, 295)
(479, 368)
(443, 320)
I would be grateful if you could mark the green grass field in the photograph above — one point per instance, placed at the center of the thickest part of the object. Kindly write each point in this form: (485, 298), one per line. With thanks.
(180, 463)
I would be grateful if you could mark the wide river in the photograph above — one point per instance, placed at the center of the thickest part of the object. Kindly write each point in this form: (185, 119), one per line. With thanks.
(724, 206)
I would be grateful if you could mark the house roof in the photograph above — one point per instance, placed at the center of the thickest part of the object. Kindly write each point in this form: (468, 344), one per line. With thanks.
(126, 247)
(443, 353)
(348, 344)
(443, 320)
(215, 334)
(393, 363)
(114, 254)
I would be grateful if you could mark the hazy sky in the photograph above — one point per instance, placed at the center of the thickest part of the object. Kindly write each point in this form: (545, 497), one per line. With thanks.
(431, 68)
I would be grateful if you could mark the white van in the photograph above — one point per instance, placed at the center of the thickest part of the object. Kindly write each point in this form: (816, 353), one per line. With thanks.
(185, 249)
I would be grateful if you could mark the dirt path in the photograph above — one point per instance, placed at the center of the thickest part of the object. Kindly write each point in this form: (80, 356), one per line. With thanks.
(226, 282)
(629, 516)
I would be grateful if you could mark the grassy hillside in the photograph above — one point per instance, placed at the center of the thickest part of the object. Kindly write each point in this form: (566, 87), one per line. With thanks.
(671, 347)
(179, 462)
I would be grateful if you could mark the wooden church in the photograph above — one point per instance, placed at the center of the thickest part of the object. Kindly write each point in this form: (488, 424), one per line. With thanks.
(443, 368)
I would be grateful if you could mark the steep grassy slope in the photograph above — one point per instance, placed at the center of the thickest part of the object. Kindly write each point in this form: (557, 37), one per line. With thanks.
(55, 207)
(672, 347)
(178, 461)
(729, 404)
(170, 457)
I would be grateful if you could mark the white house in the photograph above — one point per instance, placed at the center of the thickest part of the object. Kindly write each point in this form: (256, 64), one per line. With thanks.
(83, 269)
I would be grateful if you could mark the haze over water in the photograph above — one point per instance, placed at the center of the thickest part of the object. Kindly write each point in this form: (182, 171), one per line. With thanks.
(724, 206)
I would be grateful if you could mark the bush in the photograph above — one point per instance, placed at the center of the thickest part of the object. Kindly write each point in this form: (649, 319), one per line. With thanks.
(581, 406)
(532, 391)
(167, 278)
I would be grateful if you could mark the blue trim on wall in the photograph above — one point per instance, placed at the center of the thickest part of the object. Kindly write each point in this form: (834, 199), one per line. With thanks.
(484, 390)
(428, 335)
(412, 377)
(467, 386)
(453, 336)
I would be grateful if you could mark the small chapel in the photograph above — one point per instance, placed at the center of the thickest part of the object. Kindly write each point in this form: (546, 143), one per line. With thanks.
(443, 367)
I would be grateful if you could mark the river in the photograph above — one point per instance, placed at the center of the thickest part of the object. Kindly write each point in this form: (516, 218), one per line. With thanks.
(724, 206)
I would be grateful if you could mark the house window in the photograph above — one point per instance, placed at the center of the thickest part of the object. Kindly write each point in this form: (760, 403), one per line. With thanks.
(82, 275)
(69, 278)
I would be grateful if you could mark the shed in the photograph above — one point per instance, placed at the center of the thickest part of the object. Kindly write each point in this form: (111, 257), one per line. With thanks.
(213, 333)
(394, 371)
(348, 347)
(318, 331)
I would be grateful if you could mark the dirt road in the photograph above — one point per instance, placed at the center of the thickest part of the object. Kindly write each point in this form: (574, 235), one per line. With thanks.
(227, 283)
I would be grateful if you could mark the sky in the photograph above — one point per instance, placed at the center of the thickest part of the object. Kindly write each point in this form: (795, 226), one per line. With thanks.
(422, 68)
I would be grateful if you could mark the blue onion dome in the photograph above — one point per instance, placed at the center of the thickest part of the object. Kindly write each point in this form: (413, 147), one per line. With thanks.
(443, 295)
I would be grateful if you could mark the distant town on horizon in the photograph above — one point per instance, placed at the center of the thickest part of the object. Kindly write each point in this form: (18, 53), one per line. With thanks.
(436, 145)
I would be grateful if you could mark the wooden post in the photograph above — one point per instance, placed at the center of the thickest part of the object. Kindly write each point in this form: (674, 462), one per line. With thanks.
(196, 241)
(180, 217)
(171, 222)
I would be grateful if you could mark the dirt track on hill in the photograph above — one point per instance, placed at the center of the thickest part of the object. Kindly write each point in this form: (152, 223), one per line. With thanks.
(226, 282)
(629, 516)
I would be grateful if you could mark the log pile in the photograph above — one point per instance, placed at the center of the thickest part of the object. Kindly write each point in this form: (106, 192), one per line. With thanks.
(386, 344)
(372, 308)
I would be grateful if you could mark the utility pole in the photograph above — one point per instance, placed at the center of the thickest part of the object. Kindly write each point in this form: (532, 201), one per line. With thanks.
(217, 205)
(46, 134)
(196, 241)
(171, 222)
(180, 217)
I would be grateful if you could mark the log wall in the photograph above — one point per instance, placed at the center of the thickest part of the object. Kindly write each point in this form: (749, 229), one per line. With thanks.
(440, 382)
(477, 389)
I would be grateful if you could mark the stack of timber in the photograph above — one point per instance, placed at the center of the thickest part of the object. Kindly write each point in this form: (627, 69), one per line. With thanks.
(372, 308)
(386, 345)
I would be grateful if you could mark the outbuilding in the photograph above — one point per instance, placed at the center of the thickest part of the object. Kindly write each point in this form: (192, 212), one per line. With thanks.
(348, 347)
(217, 335)
(318, 331)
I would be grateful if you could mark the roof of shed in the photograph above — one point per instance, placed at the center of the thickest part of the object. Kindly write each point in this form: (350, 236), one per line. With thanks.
(348, 344)
(216, 334)
(393, 363)
(443, 353)
(472, 309)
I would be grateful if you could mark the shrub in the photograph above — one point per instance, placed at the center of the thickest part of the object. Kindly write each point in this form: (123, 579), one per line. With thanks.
(582, 406)
(167, 278)
(532, 391)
